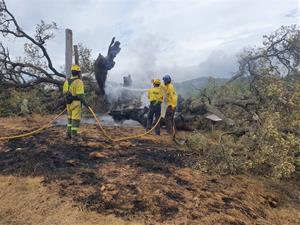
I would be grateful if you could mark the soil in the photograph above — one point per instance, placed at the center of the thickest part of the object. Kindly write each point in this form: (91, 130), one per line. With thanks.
(148, 179)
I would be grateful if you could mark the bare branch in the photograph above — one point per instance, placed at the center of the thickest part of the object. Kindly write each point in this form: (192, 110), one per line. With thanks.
(37, 64)
(281, 53)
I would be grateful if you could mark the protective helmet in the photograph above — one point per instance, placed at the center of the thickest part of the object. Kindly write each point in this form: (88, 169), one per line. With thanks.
(75, 68)
(167, 79)
(156, 81)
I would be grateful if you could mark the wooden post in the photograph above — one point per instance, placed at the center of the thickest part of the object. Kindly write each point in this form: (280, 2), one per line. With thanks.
(76, 55)
(69, 52)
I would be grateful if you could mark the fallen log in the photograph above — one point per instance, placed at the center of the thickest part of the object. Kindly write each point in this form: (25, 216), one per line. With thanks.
(186, 122)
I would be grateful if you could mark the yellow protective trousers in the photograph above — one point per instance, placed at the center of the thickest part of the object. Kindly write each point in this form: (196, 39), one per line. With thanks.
(74, 116)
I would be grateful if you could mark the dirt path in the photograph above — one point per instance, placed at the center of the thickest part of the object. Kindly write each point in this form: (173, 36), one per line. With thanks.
(146, 179)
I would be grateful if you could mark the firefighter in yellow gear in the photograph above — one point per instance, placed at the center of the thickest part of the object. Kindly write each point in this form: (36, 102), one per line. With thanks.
(73, 90)
(171, 100)
(155, 96)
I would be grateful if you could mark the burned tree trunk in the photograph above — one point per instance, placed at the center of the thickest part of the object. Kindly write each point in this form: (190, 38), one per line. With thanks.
(104, 64)
(182, 122)
(137, 114)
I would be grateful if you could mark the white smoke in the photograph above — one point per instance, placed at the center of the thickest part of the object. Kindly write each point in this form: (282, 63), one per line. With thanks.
(150, 57)
(140, 59)
(117, 93)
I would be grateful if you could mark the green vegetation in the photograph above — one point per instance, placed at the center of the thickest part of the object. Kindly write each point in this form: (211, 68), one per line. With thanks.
(16, 101)
(271, 145)
(263, 102)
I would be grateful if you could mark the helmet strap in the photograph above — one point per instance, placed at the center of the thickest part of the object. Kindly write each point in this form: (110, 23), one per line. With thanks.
(75, 73)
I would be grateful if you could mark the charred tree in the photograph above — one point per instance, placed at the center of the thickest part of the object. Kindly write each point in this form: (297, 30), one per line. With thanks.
(104, 64)
(183, 121)
(127, 81)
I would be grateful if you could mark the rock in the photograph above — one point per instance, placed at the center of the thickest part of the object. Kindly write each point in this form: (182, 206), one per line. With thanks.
(96, 155)
(196, 215)
(72, 162)
(273, 203)
(117, 147)
(125, 144)
(111, 187)
(114, 192)
(102, 188)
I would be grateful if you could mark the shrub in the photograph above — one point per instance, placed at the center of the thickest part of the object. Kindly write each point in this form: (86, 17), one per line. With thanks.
(272, 145)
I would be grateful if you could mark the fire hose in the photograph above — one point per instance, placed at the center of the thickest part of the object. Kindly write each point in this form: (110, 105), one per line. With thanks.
(49, 124)
(124, 138)
(177, 141)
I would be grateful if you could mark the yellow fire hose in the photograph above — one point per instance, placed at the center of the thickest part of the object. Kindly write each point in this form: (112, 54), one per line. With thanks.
(124, 138)
(35, 131)
(97, 121)
(179, 142)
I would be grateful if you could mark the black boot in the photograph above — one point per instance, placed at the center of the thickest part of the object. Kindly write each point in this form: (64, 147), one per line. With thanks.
(68, 135)
(75, 137)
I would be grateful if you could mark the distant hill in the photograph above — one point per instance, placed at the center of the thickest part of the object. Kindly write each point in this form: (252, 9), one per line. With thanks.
(191, 87)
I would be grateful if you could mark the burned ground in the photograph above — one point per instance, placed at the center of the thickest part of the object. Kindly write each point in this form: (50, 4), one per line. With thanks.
(147, 179)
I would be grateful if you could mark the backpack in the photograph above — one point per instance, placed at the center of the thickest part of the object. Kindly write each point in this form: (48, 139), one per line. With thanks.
(69, 97)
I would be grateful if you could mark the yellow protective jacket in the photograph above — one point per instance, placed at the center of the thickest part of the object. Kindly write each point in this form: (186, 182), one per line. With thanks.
(171, 95)
(155, 95)
(76, 88)
(74, 109)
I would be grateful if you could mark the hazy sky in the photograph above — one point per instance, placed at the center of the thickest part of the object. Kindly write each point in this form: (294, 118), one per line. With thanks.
(185, 38)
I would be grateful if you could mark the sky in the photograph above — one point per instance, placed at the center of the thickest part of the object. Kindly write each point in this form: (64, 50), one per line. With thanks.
(184, 38)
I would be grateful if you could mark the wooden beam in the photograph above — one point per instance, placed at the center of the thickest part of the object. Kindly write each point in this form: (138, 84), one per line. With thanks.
(68, 52)
(76, 55)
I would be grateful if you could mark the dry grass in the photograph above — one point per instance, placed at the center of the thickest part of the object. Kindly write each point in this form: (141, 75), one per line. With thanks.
(24, 201)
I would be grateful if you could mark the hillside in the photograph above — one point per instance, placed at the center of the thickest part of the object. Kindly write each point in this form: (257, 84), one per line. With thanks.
(191, 87)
